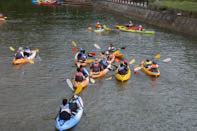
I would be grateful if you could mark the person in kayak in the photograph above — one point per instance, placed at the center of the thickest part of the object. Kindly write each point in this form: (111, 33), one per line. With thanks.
(79, 77)
(27, 52)
(148, 63)
(130, 24)
(84, 71)
(19, 54)
(82, 56)
(65, 112)
(140, 28)
(98, 26)
(74, 104)
(103, 63)
(96, 67)
(111, 49)
(153, 67)
(122, 70)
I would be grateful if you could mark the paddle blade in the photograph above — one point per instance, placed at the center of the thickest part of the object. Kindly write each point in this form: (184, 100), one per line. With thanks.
(31, 61)
(123, 47)
(132, 61)
(79, 89)
(97, 46)
(117, 60)
(137, 69)
(92, 80)
(167, 60)
(89, 28)
(70, 84)
(74, 50)
(109, 78)
(92, 54)
(157, 56)
(74, 44)
(11, 48)
(89, 61)
(37, 50)
(107, 29)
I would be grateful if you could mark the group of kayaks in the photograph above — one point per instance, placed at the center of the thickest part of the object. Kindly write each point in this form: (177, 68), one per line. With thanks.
(133, 29)
(51, 2)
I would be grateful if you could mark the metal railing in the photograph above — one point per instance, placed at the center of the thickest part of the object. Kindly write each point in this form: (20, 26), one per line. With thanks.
(141, 3)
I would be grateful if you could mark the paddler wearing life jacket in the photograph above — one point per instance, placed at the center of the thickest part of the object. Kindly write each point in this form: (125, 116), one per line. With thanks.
(111, 48)
(147, 63)
(140, 28)
(104, 63)
(98, 26)
(74, 104)
(96, 67)
(123, 69)
(19, 54)
(154, 67)
(79, 77)
(82, 56)
(130, 24)
(27, 52)
(65, 112)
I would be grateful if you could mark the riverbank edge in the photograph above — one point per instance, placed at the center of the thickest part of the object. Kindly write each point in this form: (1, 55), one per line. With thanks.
(161, 19)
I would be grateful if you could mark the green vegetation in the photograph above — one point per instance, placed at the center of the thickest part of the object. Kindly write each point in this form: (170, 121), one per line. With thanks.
(185, 5)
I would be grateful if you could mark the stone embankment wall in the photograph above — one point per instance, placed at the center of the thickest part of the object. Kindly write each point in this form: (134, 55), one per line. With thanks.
(161, 19)
(78, 2)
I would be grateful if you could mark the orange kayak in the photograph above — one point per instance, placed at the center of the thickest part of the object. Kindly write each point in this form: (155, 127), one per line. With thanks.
(24, 60)
(83, 83)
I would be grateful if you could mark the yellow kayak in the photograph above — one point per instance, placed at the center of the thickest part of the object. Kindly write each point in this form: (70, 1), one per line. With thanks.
(123, 78)
(118, 54)
(148, 72)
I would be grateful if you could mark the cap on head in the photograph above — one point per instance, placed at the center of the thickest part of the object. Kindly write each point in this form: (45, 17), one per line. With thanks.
(147, 60)
(154, 62)
(98, 23)
(103, 52)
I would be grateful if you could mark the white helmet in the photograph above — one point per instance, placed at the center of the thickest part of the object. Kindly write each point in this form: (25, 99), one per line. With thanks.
(98, 23)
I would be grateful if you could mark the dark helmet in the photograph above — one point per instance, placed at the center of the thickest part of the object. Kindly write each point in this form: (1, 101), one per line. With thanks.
(103, 52)
(78, 69)
(154, 62)
(147, 60)
(64, 102)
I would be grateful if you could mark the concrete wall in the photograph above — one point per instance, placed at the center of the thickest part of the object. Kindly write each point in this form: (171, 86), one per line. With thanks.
(161, 19)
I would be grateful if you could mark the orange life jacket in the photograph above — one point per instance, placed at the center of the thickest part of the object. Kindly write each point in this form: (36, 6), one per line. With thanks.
(98, 26)
(154, 66)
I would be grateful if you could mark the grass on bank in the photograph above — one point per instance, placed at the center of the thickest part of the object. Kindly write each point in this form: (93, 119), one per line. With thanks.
(176, 4)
